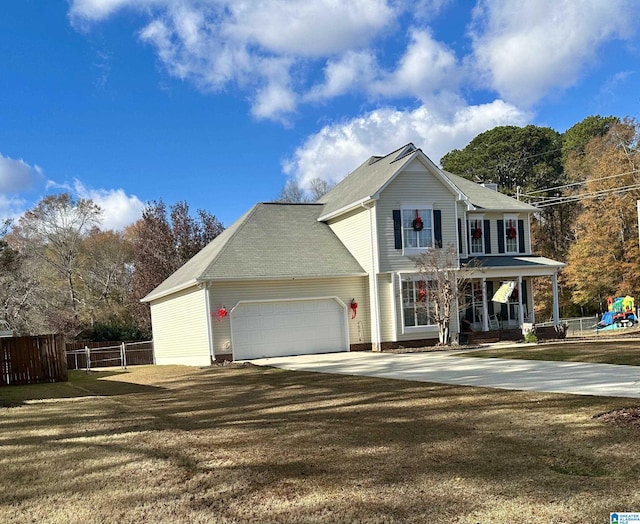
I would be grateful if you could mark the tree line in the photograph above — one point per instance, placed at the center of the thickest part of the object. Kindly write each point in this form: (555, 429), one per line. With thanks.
(61, 273)
(585, 183)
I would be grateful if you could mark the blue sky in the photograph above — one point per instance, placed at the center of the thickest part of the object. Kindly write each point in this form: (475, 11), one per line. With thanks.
(219, 102)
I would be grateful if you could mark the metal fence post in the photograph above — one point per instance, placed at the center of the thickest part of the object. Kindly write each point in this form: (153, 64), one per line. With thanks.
(123, 350)
(87, 353)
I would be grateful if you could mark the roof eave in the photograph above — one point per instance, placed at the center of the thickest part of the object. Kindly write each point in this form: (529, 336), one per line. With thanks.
(282, 277)
(347, 208)
(155, 296)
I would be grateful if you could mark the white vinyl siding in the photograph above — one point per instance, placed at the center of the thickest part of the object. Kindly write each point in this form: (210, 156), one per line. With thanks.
(346, 288)
(413, 186)
(354, 231)
(180, 328)
(387, 320)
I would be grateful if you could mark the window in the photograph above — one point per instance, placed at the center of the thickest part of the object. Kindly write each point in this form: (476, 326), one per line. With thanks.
(476, 235)
(511, 234)
(416, 307)
(417, 228)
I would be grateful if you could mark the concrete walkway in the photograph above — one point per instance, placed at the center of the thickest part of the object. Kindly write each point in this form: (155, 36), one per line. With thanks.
(446, 367)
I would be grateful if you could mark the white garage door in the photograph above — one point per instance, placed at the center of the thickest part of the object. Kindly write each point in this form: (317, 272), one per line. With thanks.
(291, 327)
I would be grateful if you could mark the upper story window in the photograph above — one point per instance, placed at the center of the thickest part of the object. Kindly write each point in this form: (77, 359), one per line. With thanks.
(511, 234)
(417, 227)
(476, 235)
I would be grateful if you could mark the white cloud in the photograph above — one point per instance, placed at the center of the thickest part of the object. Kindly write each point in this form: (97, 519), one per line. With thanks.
(338, 149)
(352, 70)
(11, 208)
(274, 51)
(94, 10)
(17, 176)
(118, 209)
(218, 44)
(426, 68)
(525, 50)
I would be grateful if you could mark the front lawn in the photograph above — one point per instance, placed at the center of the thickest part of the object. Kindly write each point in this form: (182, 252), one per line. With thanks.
(621, 352)
(246, 444)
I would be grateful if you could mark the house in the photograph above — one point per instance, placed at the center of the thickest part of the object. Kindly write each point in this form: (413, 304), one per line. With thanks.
(338, 275)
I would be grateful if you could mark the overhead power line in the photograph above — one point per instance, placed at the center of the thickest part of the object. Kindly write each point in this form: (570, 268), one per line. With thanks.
(584, 196)
(532, 193)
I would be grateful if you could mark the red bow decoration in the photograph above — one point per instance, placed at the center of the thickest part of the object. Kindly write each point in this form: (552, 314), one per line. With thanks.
(221, 313)
(511, 231)
(477, 232)
(422, 291)
(417, 222)
(354, 308)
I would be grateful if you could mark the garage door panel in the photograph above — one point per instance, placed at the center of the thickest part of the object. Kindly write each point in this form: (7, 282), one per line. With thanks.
(266, 329)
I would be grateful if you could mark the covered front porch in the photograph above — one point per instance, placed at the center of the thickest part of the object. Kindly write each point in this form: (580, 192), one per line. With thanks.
(499, 295)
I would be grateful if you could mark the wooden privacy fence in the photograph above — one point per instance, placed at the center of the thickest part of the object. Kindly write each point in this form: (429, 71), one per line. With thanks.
(32, 360)
(107, 354)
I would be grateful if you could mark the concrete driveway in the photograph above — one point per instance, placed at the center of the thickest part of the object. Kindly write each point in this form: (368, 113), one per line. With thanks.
(446, 367)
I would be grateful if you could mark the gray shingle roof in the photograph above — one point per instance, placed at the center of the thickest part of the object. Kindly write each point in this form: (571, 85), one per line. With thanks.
(365, 181)
(369, 178)
(485, 198)
(521, 261)
(272, 240)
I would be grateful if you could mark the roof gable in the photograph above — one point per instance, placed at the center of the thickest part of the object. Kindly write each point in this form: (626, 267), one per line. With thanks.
(368, 180)
(365, 181)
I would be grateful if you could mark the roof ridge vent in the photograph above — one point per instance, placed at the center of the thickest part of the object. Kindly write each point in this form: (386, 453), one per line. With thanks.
(406, 150)
(490, 185)
(374, 159)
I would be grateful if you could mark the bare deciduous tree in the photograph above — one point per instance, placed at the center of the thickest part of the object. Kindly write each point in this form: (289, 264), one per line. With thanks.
(446, 283)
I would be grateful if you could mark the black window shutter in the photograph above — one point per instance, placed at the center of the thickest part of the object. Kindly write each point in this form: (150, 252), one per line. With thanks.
(500, 236)
(487, 237)
(521, 236)
(459, 235)
(490, 296)
(524, 296)
(437, 227)
(397, 228)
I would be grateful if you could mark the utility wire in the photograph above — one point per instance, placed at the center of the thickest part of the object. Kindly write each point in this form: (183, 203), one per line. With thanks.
(583, 196)
(532, 193)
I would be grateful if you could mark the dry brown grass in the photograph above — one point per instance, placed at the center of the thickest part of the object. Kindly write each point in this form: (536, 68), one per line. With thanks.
(173, 444)
(620, 352)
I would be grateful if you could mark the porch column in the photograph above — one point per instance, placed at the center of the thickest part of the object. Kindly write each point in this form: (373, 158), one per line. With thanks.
(532, 301)
(520, 308)
(485, 307)
(556, 305)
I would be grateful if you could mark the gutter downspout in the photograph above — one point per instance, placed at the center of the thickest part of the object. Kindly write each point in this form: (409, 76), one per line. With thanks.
(375, 310)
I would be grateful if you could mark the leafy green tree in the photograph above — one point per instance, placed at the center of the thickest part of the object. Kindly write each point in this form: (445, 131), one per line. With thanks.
(577, 137)
(512, 157)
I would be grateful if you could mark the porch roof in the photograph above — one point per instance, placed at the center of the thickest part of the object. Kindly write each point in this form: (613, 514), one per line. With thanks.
(521, 263)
